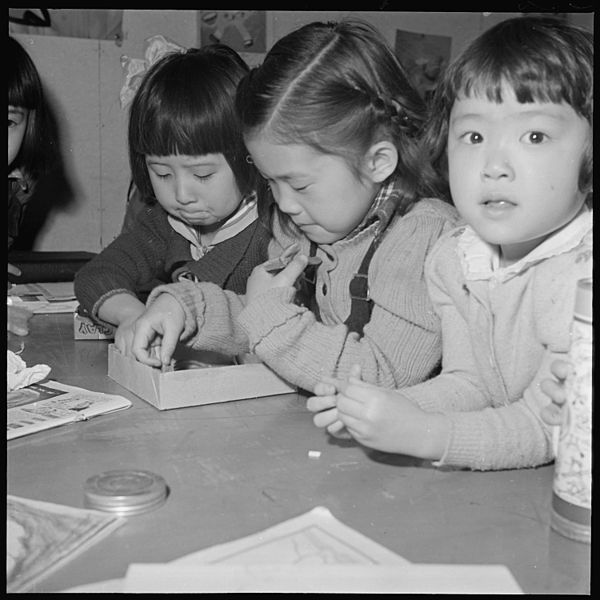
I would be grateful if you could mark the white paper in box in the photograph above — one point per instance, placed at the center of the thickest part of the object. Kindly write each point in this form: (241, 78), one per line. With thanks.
(196, 386)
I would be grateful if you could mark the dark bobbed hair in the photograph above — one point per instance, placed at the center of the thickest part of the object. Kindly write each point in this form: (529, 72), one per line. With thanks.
(37, 153)
(541, 58)
(185, 105)
(339, 88)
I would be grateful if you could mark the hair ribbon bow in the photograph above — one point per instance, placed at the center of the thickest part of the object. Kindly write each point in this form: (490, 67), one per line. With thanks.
(135, 69)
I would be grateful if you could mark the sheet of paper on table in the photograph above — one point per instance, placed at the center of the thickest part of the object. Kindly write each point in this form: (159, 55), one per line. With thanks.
(311, 553)
(41, 536)
(43, 406)
(44, 298)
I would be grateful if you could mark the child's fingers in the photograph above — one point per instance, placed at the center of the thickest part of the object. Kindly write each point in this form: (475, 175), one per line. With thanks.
(328, 385)
(319, 403)
(560, 368)
(338, 430)
(142, 346)
(554, 390)
(290, 252)
(325, 418)
(324, 389)
(552, 414)
(167, 347)
(294, 268)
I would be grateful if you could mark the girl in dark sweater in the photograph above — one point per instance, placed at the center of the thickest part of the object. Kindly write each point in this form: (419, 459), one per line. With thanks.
(200, 217)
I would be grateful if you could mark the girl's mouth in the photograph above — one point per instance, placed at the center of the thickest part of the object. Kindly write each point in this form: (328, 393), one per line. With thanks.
(497, 207)
(497, 203)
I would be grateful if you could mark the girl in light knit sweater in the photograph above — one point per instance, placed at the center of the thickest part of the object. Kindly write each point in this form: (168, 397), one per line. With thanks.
(514, 117)
(332, 123)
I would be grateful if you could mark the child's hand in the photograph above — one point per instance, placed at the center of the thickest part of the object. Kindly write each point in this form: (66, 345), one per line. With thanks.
(385, 420)
(125, 333)
(278, 272)
(161, 325)
(323, 404)
(555, 389)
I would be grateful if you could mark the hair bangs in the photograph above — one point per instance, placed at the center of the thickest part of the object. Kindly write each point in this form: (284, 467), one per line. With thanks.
(535, 67)
(24, 88)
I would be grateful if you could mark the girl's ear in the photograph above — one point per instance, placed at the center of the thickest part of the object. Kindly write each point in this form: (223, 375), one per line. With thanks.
(381, 161)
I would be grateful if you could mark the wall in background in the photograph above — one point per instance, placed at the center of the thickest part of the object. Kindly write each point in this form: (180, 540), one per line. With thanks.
(83, 78)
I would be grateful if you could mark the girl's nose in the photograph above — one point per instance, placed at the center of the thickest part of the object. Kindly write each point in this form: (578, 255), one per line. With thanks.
(497, 165)
(183, 194)
(285, 202)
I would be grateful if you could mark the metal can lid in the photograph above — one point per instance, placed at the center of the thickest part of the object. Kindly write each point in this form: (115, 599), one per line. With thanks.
(125, 491)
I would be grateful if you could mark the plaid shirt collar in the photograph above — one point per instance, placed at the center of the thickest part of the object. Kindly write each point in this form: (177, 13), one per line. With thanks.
(382, 209)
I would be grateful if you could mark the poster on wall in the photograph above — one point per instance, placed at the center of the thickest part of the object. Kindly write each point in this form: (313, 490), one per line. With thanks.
(97, 24)
(424, 56)
(242, 30)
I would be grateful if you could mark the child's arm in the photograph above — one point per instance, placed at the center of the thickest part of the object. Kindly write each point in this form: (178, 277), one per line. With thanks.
(378, 418)
(401, 342)
(504, 437)
(131, 261)
(209, 316)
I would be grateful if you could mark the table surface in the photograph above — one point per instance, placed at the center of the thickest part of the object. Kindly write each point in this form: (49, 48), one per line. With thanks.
(236, 468)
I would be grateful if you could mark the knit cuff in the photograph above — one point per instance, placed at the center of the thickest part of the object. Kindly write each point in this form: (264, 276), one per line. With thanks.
(468, 452)
(94, 314)
(267, 311)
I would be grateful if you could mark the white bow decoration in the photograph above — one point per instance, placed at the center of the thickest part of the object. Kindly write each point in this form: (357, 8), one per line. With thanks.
(135, 69)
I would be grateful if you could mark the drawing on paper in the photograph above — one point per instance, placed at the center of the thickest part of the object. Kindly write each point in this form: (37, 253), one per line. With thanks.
(41, 536)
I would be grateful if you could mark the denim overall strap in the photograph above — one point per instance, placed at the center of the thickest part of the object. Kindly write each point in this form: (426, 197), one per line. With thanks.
(362, 305)
(306, 285)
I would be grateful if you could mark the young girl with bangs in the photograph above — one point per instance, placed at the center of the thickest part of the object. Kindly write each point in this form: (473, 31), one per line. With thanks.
(512, 125)
(188, 162)
(332, 123)
(31, 154)
(31, 137)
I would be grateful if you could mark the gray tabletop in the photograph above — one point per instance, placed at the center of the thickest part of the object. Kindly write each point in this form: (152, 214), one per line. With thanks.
(239, 467)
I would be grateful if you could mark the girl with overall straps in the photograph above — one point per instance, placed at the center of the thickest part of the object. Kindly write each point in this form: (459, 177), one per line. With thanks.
(332, 123)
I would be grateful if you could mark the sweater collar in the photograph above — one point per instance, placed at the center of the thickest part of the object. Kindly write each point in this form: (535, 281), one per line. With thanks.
(481, 260)
(246, 214)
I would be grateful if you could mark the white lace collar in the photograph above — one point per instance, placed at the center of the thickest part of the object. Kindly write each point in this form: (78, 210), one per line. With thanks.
(480, 260)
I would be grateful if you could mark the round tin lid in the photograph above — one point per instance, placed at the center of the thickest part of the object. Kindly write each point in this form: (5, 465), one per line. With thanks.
(125, 491)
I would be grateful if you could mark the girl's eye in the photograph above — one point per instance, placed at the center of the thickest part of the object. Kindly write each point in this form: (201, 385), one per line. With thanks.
(472, 137)
(535, 137)
(204, 177)
(299, 189)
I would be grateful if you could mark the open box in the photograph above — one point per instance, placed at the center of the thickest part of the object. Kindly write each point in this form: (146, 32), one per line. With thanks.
(186, 384)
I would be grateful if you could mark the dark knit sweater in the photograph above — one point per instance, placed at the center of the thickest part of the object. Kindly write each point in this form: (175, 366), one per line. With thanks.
(153, 253)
